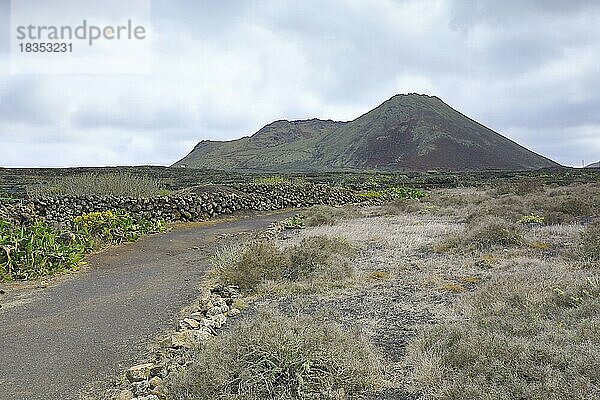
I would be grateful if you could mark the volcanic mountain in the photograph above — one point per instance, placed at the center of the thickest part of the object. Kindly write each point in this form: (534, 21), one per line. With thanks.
(406, 132)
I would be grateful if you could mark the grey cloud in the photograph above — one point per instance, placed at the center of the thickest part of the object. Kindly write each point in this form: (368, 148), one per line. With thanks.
(26, 100)
(525, 68)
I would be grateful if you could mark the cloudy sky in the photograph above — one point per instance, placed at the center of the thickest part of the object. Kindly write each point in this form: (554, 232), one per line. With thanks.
(222, 69)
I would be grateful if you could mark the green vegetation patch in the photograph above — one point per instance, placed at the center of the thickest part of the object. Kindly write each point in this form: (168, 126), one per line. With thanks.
(531, 219)
(270, 180)
(113, 226)
(36, 250)
(281, 358)
(392, 193)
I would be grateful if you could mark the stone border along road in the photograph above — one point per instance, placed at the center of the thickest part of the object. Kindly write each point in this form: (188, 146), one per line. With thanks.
(88, 326)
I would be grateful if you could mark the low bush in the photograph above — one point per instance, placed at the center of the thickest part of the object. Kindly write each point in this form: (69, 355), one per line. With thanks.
(294, 222)
(316, 256)
(250, 265)
(527, 335)
(101, 184)
(281, 358)
(327, 215)
(314, 259)
(531, 219)
(589, 244)
(482, 235)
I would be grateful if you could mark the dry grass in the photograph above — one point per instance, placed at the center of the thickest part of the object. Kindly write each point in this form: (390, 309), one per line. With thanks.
(521, 337)
(281, 358)
(328, 215)
(314, 264)
(503, 311)
(589, 245)
(557, 205)
(101, 184)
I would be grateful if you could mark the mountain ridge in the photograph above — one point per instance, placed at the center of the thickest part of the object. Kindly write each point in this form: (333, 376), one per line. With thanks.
(407, 131)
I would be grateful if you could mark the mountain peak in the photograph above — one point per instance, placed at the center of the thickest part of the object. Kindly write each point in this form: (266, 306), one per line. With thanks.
(407, 131)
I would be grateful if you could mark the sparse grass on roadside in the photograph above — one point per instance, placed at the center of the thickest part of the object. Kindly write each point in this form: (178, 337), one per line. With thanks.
(281, 358)
(100, 184)
(311, 265)
(531, 333)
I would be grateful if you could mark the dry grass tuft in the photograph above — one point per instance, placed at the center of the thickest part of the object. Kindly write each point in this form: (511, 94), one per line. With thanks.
(315, 263)
(281, 358)
(379, 275)
(481, 235)
(328, 215)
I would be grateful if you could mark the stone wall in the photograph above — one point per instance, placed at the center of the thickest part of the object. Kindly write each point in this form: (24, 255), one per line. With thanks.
(193, 204)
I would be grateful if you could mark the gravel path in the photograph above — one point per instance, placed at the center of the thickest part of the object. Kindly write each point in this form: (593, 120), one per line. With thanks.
(86, 327)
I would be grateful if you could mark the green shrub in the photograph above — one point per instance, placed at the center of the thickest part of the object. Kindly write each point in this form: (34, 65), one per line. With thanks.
(531, 219)
(28, 252)
(280, 358)
(294, 222)
(113, 226)
(101, 184)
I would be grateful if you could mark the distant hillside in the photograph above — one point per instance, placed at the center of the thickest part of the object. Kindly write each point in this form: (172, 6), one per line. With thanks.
(594, 165)
(407, 132)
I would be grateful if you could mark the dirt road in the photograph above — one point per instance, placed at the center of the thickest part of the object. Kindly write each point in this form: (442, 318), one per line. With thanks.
(86, 327)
